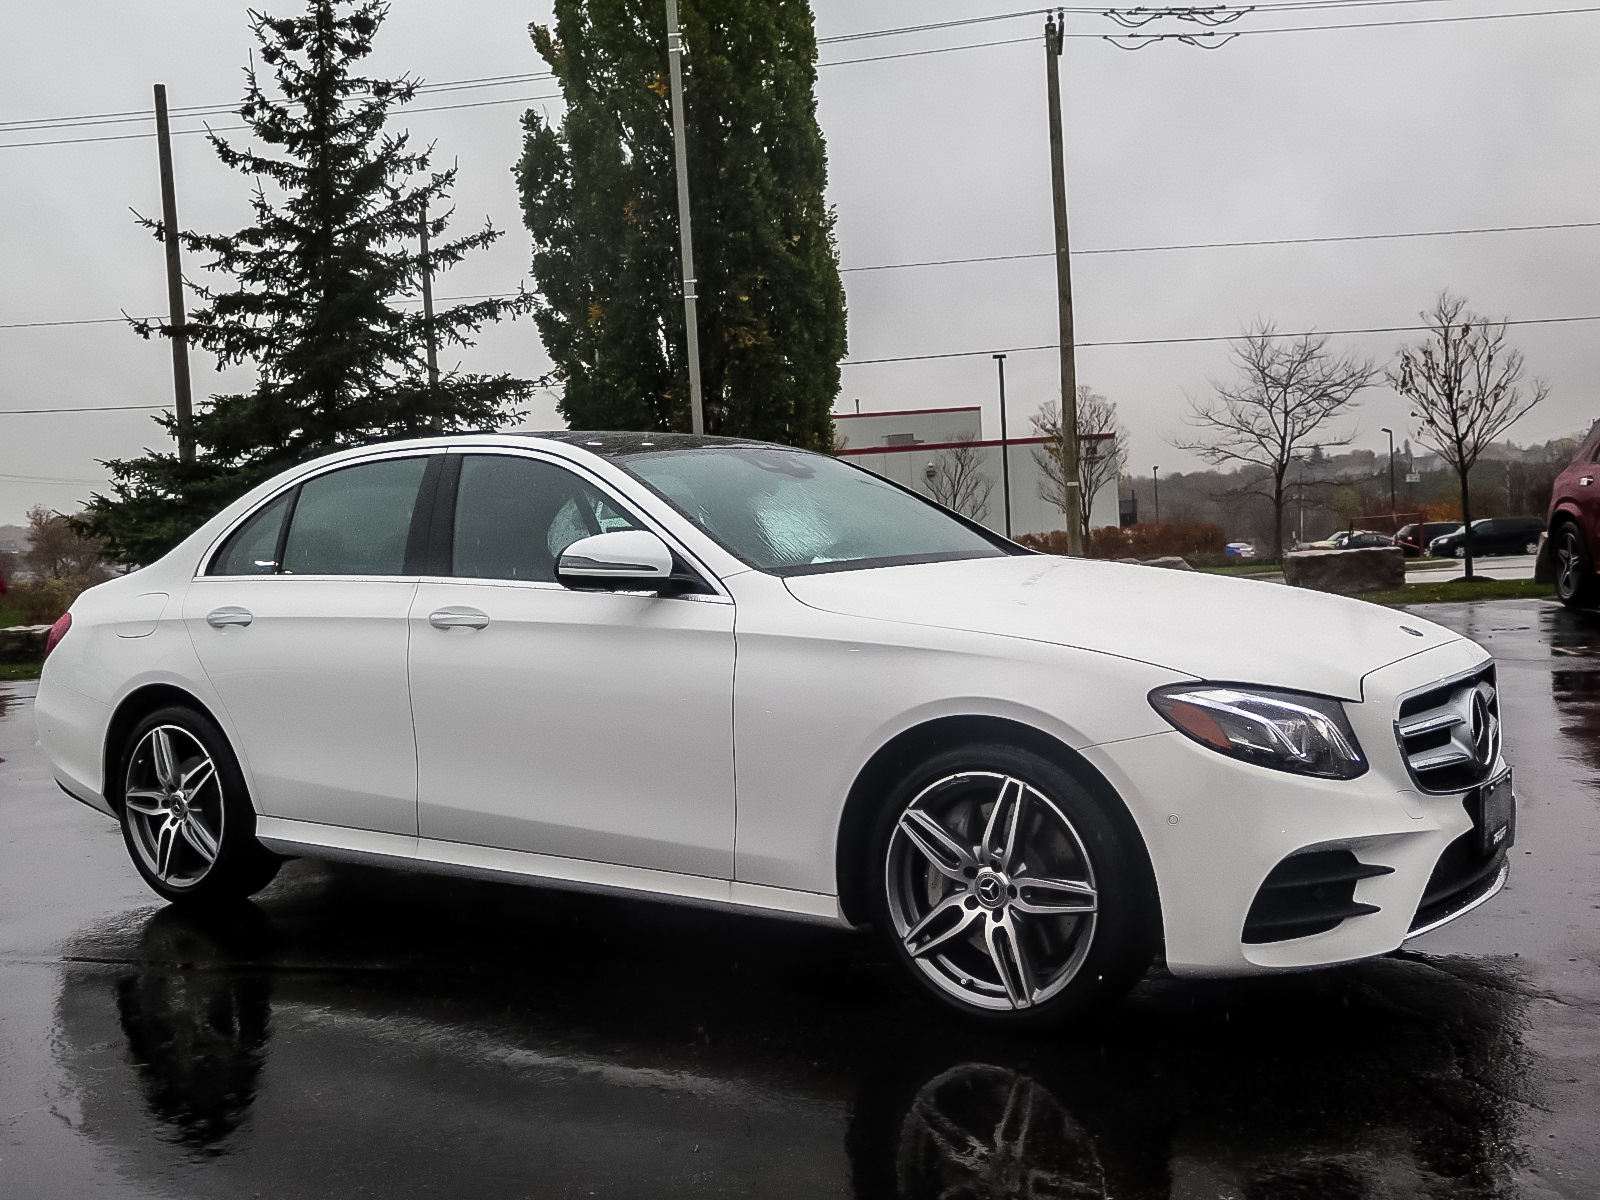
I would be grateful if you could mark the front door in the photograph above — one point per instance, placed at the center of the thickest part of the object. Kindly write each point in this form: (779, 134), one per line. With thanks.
(588, 725)
(300, 624)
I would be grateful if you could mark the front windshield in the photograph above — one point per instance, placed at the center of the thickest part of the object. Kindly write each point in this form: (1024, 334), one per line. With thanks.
(790, 512)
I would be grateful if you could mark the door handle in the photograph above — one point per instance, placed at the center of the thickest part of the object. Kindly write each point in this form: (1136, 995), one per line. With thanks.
(458, 618)
(217, 618)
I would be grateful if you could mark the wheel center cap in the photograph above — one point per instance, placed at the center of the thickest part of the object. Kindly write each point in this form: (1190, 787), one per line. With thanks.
(990, 888)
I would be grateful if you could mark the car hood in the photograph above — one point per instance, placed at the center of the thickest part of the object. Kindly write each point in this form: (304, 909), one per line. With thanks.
(1206, 626)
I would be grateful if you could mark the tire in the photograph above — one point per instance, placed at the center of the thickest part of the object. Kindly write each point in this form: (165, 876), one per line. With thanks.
(1575, 580)
(186, 816)
(1011, 868)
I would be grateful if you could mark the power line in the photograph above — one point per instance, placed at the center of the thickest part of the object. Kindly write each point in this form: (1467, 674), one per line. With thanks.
(989, 258)
(1176, 341)
(901, 358)
(1101, 12)
(124, 137)
(44, 479)
(203, 110)
(23, 412)
(46, 124)
(1220, 37)
(1294, 241)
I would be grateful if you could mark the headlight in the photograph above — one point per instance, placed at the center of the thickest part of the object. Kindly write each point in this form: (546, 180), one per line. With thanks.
(1287, 731)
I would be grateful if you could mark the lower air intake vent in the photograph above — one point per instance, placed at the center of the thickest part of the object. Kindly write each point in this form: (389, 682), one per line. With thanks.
(1308, 893)
(1450, 732)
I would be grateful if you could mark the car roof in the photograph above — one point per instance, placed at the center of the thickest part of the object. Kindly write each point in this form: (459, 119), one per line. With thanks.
(611, 443)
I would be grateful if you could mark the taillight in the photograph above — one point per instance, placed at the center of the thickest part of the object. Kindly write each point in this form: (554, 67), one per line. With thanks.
(57, 632)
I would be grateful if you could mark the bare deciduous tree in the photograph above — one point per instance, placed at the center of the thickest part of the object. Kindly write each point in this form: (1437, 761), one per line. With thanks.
(57, 551)
(957, 480)
(1100, 458)
(1463, 385)
(1287, 391)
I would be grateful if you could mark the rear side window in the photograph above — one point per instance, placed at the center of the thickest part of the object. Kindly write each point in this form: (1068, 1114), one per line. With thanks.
(253, 548)
(355, 521)
(514, 517)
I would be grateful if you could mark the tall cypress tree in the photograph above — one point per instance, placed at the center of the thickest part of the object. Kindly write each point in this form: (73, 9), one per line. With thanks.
(316, 289)
(599, 196)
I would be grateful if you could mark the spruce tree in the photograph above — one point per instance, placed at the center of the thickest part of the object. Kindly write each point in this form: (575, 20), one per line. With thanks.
(316, 289)
(599, 196)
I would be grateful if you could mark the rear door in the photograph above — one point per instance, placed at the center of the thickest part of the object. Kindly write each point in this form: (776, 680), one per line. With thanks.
(300, 624)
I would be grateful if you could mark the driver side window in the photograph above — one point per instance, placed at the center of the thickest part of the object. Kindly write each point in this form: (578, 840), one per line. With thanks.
(514, 517)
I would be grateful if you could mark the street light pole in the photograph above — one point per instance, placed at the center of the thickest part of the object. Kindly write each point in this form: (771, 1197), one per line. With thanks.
(1155, 479)
(1390, 432)
(1005, 447)
(691, 318)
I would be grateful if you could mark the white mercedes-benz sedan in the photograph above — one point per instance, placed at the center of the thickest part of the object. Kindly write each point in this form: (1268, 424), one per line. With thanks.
(742, 675)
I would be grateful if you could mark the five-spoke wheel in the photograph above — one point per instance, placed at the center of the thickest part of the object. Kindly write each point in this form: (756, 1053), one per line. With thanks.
(997, 882)
(185, 817)
(174, 804)
(1575, 581)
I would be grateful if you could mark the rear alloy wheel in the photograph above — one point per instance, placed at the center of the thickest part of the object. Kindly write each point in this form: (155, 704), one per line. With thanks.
(1007, 891)
(1461, 551)
(1575, 581)
(1531, 548)
(186, 819)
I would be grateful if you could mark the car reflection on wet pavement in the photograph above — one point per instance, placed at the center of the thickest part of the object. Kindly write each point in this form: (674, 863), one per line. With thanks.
(359, 1031)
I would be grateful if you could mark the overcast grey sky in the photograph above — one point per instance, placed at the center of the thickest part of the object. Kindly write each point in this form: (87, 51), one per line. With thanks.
(1310, 133)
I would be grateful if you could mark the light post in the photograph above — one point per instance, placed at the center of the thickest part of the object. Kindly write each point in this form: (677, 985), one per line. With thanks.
(1390, 432)
(1155, 477)
(1005, 449)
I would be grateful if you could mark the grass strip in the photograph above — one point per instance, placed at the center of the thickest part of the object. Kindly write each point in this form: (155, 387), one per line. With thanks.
(11, 672)
(1457, 590)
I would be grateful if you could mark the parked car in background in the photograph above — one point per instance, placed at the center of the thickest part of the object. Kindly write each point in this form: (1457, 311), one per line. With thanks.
(1492, 535)
(1414, 539)
(1353, 539)
(1239, 550)
(1574, 523)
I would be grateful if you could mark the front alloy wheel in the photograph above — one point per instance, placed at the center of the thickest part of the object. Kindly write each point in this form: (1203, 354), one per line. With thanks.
(1007, 891)
(991, 892)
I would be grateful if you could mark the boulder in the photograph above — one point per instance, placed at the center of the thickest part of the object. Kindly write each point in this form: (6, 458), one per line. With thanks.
(23, 643)
(1347, 572)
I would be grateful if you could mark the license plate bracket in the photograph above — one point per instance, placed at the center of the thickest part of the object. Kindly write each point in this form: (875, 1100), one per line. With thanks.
(1496, 816)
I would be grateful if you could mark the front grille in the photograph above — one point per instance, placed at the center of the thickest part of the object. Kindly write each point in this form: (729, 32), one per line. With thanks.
(1309, 892)
(1449, 732)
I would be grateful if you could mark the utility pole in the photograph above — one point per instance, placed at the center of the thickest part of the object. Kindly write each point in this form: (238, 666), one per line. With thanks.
(1155, 483)
(1069, 369)
(427, 303)
(1005, 445)
(685, 234)
(177, 319)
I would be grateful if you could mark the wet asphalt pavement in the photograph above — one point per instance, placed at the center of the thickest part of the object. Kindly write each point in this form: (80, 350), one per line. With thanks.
(359, 1032)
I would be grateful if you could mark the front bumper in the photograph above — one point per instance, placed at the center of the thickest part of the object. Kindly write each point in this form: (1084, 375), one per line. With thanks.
(1217, 828)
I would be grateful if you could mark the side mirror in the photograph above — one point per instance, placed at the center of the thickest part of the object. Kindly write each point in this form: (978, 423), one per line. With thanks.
(628, 558)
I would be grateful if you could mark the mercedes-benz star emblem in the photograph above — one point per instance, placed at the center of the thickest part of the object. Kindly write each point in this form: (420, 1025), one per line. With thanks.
(1482, 726)
(990, 889)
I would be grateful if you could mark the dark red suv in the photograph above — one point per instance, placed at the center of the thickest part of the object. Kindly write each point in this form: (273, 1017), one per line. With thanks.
(1573, 546)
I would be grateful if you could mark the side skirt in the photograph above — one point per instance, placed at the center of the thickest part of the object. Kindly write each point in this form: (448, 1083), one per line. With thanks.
(307, 839)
